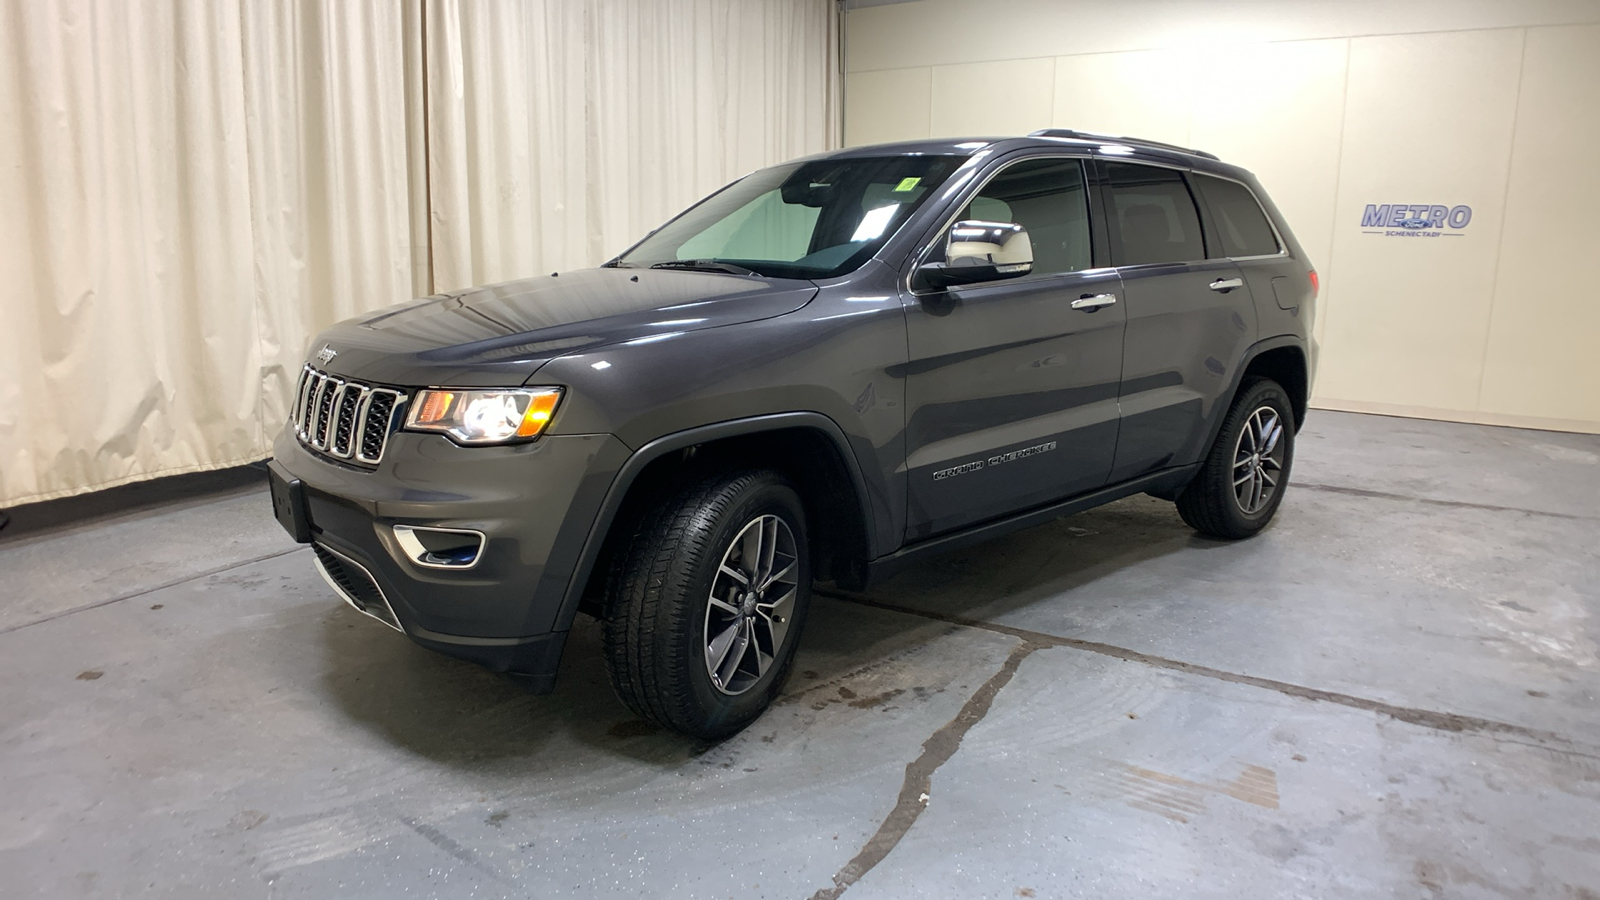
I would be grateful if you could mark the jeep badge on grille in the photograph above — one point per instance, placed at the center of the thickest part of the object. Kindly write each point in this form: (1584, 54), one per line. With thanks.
(326, 354)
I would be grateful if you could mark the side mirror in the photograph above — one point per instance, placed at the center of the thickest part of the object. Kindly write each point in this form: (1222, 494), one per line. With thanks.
(977, 251)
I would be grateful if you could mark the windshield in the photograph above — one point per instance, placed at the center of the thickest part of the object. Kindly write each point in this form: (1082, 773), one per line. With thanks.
(800, 220)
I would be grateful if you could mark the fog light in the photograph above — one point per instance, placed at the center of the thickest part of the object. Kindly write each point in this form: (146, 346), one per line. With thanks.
(440, 548)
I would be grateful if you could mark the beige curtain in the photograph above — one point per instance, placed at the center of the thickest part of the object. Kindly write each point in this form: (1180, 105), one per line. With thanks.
(325, 121)
(189, 191)
(561, 132)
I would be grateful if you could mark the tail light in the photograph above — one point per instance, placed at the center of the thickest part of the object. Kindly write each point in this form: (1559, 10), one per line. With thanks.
(1316, 284)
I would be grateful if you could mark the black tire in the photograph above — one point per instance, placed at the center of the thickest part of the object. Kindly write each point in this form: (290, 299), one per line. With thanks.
(1211, 504)
(659, 617)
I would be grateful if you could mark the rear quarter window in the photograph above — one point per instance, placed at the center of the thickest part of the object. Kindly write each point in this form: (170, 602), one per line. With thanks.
(1238, 217)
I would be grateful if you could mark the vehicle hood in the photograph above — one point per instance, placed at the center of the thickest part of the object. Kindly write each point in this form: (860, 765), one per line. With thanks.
(500, 334)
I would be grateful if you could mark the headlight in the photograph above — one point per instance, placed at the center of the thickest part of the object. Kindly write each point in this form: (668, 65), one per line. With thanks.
(484, 417)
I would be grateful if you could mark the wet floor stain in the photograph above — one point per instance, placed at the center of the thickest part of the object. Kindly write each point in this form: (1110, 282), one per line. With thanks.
(633, 728)
(1181, 799)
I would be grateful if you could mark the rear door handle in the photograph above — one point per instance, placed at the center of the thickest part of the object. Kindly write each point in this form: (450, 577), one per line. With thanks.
(1226, 284)
(1092, 302)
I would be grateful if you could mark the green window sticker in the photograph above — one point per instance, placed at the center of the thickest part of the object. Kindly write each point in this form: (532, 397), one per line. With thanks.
(906, 184)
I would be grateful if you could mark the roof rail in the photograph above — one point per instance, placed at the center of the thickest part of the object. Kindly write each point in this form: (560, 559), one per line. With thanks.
(1138, 142)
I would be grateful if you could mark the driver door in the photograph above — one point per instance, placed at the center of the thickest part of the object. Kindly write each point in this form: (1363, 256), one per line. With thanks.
(1011, 391)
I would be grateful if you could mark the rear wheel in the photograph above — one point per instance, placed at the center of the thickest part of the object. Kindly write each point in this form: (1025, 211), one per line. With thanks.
(704, 612)
(1241, 482)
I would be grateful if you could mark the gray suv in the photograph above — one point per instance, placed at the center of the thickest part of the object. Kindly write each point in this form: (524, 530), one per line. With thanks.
(821, 372)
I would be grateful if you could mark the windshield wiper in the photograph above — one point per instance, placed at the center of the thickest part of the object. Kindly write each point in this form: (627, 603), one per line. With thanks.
(705, 265)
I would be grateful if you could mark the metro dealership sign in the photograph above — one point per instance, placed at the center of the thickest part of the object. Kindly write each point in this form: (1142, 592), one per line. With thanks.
(1415, 220)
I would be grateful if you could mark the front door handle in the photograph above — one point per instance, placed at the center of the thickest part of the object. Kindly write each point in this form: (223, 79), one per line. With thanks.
(1092, 302)
(1226, 284)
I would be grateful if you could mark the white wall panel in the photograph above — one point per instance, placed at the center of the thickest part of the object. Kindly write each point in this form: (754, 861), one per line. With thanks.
(1006, 97)
(1542, 358)
(893, 105)
(1145, 94)
(1407, 317)
(947, 32)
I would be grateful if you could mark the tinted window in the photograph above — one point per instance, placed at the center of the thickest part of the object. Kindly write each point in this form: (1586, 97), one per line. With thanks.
(815, 219)
(1238, 217)
(1153, 216)
(1047, 197)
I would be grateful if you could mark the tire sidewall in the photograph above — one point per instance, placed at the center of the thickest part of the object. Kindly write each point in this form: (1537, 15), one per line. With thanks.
(769, 496)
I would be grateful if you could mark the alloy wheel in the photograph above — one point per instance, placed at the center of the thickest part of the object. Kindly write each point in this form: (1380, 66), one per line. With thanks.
(751, 604)
(1258, 460)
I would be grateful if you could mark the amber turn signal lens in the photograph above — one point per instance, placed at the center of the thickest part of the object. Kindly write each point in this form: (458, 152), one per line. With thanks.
(540, 408)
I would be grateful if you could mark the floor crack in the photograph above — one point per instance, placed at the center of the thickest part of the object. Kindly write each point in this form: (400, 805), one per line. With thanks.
(915, 789)
(1427, 718)
(1430, 501)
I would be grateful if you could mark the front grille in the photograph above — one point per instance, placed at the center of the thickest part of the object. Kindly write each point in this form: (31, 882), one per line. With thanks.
(344, 419)
(355, 584)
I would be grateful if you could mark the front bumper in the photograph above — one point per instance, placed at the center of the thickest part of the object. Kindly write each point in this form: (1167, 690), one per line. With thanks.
(534, 503)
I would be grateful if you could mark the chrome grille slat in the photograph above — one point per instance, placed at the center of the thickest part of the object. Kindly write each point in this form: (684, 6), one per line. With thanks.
(308, 393)
(347, 420)
(299, 397)
(360, 435)
(376, 422)
(322, 433)
(345, 404)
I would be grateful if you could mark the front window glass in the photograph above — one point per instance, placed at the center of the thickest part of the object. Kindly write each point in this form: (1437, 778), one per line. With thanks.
(1047, 197)
(801, 220)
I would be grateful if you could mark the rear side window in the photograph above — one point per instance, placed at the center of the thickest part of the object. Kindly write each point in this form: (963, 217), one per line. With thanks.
(1153, 217)
(1238, 217)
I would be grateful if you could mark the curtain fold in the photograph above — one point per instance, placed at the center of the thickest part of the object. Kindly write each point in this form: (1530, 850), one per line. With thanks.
(189, 191)
(325, 117)
(561, 132)
(130, 336)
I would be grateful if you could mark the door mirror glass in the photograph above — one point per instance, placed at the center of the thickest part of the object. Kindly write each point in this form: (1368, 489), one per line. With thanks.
(978, 251)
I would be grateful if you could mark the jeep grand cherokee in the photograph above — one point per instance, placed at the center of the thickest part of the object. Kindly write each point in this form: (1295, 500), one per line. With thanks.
(820, 372)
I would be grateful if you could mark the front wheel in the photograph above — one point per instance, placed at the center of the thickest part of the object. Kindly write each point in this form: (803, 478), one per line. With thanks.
(1241, 482)
(704, 612)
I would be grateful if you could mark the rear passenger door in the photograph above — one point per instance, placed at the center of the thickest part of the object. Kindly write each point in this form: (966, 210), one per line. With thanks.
(1190, 317)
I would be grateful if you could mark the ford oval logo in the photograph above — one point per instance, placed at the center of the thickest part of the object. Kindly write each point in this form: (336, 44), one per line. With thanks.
(326, 354)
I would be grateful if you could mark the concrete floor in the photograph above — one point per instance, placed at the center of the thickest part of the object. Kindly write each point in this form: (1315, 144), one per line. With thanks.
(1391, 692)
